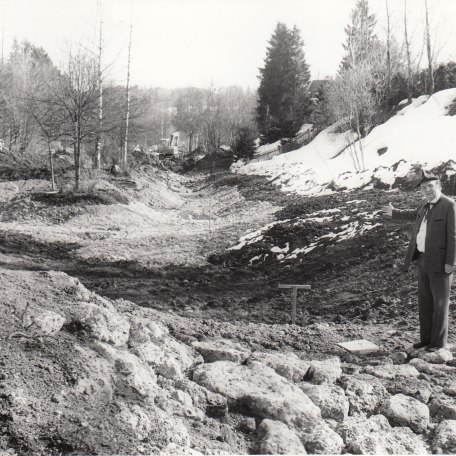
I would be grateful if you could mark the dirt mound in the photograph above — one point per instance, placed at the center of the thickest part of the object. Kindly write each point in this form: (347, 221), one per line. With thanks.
(54, 208)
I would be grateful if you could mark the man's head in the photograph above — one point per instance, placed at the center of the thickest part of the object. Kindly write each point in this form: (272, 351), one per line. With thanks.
(431, 189)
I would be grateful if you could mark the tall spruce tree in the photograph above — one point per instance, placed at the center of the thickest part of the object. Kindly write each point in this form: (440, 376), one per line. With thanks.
(283, 99)
(361, 39)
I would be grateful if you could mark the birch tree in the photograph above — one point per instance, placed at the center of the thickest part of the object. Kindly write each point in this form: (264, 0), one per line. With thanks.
(99, 139)
(429, 51)
(127, 105)
(407, 44)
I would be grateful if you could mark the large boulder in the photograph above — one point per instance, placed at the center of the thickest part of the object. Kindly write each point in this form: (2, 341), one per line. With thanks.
(144, 330)
(186, 356)
(43, 322)
(152, 425)
(259, 391)
(326, 370)
(441, 356)
(136, 418)
(276, 438)
(131, 373)
(376, 436)
(321, 439)
(159, 360)
(364, 392)
(96, 377)
(221, 350)
(170, 359)
(437, 370)
(213, 404)
(404, 410)
(177, 405)
(329, 398)
(443, 408)
(287, 365)
(392, 371)
(450, 389)
(417, 388)
(445, 438)
(104, 323)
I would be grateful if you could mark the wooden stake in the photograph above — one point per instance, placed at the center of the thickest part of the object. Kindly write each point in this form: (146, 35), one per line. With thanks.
(294, 297)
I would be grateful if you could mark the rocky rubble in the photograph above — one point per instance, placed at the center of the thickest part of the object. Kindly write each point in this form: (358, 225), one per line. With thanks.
(81, 373)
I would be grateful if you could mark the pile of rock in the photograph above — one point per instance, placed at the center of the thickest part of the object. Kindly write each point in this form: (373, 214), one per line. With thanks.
(133, 388)
(323, 406)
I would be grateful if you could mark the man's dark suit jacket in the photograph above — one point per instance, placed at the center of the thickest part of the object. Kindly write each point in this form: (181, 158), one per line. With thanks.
(440, 245)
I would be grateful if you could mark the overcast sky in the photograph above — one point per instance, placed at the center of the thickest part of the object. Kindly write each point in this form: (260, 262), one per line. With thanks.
(178, 43)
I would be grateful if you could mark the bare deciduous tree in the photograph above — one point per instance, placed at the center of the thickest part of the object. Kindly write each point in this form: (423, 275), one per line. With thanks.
(407, 44)
(48, 116)
(351, 102)
(99, 139)
(189, 113)
(127, 107)
(75, 93)
(429, 51)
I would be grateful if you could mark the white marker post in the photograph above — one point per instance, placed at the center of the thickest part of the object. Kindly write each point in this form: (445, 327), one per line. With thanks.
(294, 297)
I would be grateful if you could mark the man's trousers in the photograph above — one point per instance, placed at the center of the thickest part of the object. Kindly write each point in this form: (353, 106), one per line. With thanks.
(433, 305)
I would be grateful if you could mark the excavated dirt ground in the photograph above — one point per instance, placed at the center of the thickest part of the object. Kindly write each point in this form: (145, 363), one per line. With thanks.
(156, 254)
(167, 250)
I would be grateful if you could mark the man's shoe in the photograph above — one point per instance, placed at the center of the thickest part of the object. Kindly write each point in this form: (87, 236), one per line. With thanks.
(419, 345)
(433, 349)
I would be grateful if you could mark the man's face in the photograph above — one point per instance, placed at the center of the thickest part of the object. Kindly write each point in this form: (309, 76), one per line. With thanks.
(430, 190)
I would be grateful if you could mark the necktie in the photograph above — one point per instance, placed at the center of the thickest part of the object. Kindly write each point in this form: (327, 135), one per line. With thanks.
(427, 208)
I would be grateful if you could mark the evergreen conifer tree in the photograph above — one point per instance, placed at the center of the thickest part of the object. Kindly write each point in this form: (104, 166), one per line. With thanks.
(243, 144)
(361, 39)
(283, 100)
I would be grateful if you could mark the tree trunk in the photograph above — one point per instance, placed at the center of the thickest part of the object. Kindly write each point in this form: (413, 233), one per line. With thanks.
(190, 140)
(77, 156)
(51, 166)
(100, 105)
(127, 113)
(388, 54)
(409, 60)
(361, 149)
(429, 52)
(98, 146)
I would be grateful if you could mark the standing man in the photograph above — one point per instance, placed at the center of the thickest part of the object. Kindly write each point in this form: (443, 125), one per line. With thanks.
(433, 246)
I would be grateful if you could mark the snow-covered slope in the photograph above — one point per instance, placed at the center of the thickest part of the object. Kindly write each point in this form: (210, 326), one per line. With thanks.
(420, 134)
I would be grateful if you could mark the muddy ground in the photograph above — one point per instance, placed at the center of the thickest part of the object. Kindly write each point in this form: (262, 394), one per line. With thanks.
(179, 262)
(162, 240)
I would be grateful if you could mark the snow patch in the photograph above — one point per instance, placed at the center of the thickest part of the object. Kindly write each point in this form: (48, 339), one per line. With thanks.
(421, 134)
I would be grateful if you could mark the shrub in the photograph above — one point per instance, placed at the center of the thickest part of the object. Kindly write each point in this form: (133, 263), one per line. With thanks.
(243, 144)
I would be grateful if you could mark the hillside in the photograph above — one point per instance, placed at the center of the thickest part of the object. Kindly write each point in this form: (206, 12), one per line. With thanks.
(422, 133)
(143, 315)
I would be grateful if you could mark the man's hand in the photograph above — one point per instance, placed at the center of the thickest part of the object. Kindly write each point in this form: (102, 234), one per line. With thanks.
(388, 210)
(448, 269)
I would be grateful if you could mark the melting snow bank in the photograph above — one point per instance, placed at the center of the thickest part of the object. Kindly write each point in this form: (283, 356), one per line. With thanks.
(421, 134)
(292, 239)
